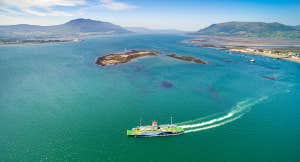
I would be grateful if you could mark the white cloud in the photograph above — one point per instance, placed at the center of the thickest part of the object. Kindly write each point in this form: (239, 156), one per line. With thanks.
(47, 13)
(49, 3)
(42, 3)
(33, 12)
(38, 20)
(39, 9)
(45, 6)
(115, 5)
(9, 11)
(60, 13)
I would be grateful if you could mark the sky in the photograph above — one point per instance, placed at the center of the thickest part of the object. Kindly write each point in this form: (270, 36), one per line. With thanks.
(189, 15)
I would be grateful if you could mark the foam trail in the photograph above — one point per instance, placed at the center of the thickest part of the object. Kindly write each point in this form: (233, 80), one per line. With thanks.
(239, 110)
(213, 126)
(198, 119)
(208, 122)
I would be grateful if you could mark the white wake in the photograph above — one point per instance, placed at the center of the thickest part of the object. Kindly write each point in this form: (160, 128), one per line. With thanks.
(235, 113)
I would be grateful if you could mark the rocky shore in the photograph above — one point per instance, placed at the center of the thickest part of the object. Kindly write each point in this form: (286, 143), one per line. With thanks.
(188, 58)
(123, 57)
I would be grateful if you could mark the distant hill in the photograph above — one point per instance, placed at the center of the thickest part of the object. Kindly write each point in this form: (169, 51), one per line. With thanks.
(297, 27)
(143, 30)
(251, 29)
(72, 29)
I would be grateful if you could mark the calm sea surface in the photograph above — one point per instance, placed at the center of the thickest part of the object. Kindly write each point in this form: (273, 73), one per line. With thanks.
(57, 105)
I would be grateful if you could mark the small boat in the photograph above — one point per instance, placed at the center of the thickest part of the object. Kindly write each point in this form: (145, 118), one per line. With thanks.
(252, 60)
(155, 130)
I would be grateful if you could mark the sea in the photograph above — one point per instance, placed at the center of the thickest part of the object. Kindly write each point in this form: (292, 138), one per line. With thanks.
(56, 104)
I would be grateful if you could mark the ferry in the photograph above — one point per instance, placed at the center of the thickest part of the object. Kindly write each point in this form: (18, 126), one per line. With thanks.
(155, 130)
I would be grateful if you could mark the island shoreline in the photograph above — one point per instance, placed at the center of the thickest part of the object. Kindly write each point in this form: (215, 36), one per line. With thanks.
(123, 57)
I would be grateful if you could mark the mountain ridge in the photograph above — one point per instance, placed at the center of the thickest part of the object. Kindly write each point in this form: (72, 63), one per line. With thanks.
(72, 29)
(251, 29)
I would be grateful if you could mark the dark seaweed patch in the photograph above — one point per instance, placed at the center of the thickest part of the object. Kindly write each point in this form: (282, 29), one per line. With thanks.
(166, 84)
(213, 92)
(227, 60)
(269, 77)
(138, 68)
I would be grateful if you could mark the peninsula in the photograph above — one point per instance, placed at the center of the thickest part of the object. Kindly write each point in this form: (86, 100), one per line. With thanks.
(123, 57)
(269, 39)
(279, 49)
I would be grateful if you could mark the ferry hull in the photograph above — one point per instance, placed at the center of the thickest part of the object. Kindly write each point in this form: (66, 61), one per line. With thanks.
(155, 133)
(148, 136)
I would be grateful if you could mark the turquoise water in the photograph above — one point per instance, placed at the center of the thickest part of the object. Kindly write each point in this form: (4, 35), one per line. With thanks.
(57, 105)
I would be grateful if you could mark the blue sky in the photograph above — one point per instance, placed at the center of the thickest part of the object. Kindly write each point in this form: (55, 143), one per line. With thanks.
(165, 14)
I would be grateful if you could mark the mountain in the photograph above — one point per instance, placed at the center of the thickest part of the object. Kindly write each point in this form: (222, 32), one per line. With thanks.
(87, 25)
(297, 27)
(143, 30)
(72, 29)
(251, 29)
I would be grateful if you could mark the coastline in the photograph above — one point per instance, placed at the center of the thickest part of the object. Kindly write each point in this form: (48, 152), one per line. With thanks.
(268, 53)
(279, 49)
(38, 42)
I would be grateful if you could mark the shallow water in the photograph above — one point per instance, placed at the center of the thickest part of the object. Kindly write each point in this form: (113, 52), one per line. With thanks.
(57, 105)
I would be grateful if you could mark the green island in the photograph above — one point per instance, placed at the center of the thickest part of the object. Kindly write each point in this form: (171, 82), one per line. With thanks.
(123, 57)
(188, 58)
